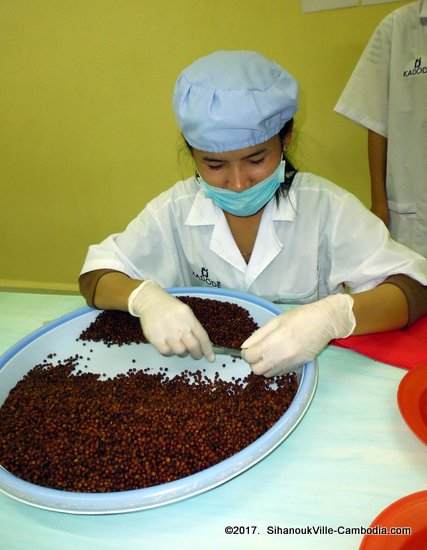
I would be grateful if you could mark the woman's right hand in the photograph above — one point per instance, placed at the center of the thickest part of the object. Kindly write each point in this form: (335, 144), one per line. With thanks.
(169, 324)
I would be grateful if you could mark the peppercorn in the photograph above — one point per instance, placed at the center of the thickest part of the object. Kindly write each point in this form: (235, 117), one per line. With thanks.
(227, 324)
(67, 429)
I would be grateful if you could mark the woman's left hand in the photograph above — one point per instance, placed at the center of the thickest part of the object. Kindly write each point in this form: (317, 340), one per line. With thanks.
(298, 336)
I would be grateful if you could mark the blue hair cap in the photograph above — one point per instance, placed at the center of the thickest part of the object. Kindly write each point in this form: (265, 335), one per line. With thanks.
(229, 100)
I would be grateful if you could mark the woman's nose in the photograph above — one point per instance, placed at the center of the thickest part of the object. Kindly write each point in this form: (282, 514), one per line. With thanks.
(237, 179)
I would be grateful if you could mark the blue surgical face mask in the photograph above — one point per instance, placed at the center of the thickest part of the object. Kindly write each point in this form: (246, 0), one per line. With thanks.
(249, 201)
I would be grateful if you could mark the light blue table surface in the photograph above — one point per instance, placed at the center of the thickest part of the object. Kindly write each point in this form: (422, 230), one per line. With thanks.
(351, 456)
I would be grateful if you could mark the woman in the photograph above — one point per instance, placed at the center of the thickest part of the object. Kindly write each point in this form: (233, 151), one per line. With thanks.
(248, 222)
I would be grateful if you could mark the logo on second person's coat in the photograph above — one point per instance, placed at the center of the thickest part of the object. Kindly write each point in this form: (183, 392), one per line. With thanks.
(417, 67)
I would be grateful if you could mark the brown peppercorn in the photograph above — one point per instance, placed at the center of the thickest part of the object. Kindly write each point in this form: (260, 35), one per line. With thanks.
(78, 432)
(227, 324)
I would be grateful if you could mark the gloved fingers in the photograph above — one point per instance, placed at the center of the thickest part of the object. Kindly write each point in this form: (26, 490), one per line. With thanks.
(269, 369)
(270, 341)
(261, 333)
(260, 367)
(253, 355)
(204, 341)
(177, 346)
(162, 347)
(280, 370)
(192, 345)
(273, 355)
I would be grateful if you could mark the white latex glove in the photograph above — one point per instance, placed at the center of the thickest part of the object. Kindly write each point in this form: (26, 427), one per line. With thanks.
(169, 324)
(299, 335)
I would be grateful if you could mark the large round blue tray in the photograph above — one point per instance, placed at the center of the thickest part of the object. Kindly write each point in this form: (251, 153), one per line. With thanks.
(60, 337)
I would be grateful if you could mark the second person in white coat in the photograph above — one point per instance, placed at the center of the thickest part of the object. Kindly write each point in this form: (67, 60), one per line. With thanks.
(387, 94)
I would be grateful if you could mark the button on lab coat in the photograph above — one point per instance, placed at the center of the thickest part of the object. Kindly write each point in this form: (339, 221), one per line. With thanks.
(307, 245)
(387, 93)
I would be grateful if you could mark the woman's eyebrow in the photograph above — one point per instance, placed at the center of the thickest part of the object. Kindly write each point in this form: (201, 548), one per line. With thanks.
(254, 154)
(210, 159)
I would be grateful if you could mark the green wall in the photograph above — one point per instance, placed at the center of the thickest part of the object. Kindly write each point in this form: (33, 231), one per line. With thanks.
(87, 132)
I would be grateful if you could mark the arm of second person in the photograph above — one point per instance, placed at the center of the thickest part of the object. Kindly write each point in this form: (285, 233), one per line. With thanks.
(377, 153)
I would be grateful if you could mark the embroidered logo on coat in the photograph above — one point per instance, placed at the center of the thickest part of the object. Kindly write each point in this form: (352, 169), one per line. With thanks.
(204, 277)
(416, 68)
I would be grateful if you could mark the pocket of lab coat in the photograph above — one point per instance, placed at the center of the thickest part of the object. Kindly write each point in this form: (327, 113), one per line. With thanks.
(402, 221)
(402, 207)
(295, 292)
(296, 286)
(293, 298)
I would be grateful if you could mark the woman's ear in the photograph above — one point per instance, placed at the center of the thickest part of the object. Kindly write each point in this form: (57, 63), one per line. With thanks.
(287, 140)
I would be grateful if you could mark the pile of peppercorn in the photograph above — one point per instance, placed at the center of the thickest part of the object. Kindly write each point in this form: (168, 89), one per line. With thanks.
(227, 324)
(67, 429)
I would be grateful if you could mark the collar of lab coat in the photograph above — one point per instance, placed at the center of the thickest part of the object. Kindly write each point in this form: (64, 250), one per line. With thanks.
(205, 212)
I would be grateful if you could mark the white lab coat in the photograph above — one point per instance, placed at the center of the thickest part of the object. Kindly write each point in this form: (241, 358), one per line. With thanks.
(387, 93)
(316, 239)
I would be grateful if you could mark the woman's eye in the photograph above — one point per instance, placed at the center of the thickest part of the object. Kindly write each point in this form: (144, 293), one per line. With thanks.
(215, 166)
(257, 161)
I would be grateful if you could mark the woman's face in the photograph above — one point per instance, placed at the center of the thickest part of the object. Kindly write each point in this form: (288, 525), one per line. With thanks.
(238, 170)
